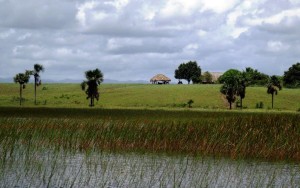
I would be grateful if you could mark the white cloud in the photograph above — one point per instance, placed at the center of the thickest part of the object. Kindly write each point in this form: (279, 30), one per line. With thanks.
(202, 33)
(24, 37)
(7, 33)
(179, 7)
(219, 6)
(276, 46)
(118, 4)
(82, 9)
(295, 2)
(275, 19)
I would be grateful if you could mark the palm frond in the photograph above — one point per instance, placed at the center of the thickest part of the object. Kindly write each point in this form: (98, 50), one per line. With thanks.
(38, 68)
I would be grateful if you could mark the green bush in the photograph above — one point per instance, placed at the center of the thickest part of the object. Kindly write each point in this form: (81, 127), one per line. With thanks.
(260, 105)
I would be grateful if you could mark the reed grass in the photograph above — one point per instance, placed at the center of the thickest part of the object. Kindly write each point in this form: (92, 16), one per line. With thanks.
(44, 167)
(268, 136)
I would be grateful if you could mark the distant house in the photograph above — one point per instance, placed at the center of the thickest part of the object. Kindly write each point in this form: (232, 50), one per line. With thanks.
(160, 79)
(215, 77)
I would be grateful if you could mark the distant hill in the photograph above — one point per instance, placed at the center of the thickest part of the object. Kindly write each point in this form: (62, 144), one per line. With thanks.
(6, 80)
(107, 81)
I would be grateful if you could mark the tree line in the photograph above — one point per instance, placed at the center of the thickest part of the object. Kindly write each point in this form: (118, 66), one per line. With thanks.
(191, 71)
(234, 82)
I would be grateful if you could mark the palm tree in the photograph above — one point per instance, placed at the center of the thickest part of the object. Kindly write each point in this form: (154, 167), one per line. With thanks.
(273, 87)
(241, 90)
(22, 79)
(37, 79)
(230, 89)
(94, 78)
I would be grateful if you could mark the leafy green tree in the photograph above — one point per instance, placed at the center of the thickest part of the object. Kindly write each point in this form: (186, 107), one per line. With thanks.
(273, 86)
(22, 79)
(188, 71)
(228, 74)
(234, 85)
(37, 68)
(94, 78)
(207, 77)
(196, 80)
(255, 77)
(291, 77)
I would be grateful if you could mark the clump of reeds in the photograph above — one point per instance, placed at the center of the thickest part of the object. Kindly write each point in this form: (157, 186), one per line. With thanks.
(272, 136)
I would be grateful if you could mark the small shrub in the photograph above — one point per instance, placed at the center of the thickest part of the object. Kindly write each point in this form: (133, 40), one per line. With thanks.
(45, 88)
(190, 102)
(77, 102)
(260, 105)
(63, 96)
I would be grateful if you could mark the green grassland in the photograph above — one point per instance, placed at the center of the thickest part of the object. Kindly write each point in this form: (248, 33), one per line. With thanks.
(145, 96)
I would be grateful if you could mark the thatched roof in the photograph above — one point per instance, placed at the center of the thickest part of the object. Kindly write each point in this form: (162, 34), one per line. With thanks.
(160, 77)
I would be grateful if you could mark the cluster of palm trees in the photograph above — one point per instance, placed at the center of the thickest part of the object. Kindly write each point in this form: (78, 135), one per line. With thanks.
(23, 79)
(235, 86)
(90, 86)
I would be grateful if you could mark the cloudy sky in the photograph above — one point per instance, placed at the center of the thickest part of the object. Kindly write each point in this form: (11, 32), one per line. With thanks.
(136, 39)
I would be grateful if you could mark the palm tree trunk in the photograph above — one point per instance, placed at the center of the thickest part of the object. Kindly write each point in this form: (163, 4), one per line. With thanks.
(20, 94)
(35, 90)
(241, 103)
(91, 101)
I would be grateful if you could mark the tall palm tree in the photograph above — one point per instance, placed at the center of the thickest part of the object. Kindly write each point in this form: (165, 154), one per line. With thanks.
(22, 79)
(230, 89)
(94, 78)
(37, 68)
(241, 90)
(273, 86)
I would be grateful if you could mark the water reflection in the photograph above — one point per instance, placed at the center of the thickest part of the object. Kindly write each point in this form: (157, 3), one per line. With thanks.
(23, 167)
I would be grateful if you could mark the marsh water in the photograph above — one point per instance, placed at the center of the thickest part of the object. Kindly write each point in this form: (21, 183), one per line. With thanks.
(24, 167)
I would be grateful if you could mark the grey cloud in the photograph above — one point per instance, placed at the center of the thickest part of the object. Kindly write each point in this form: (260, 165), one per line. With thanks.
(37, 14)
(146, 46)
(127, 46)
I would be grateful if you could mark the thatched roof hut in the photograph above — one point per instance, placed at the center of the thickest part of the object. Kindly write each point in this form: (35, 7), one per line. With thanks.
(160, 79)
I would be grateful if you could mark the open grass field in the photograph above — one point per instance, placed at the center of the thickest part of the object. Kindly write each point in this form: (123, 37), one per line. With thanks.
(145, 96)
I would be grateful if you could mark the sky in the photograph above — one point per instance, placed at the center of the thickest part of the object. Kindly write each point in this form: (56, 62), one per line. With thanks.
(137, 39)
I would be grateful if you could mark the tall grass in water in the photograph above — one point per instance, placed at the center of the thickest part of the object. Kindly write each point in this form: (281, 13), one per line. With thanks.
(271, 136)
(44, 167)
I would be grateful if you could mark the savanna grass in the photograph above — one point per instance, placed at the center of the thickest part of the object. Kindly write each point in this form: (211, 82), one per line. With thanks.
(170, 96)
(270, 136)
